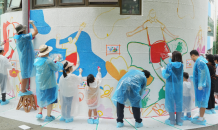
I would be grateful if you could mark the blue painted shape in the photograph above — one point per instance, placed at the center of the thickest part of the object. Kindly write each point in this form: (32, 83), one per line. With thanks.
(89, 61)
(209, 9)
(208, 42)
(101, 88)
(38, 17)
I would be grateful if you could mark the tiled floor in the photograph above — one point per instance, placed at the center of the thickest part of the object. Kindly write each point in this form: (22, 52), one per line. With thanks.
(80, 123)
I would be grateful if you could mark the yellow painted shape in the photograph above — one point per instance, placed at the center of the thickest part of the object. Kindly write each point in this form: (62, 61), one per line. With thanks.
(108, 34)
(150, 80)
(100, 113)
(112, 70)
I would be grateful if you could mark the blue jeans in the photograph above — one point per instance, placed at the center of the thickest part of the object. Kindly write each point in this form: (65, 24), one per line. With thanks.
(66, 107)
(188, 114)
(177, 119)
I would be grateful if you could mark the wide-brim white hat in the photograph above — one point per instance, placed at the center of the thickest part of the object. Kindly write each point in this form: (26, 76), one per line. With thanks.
(68, 65)
(44, 50)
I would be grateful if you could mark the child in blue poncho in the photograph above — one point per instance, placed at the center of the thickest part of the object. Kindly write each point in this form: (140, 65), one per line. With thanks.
(46, 85)
(174, 89)
(129, 92)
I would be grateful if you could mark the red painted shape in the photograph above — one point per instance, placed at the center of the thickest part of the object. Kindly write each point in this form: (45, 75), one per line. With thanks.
(72, 58)
(159, 50)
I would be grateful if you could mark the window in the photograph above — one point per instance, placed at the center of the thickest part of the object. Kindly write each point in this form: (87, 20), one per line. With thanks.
(15, 4)
(43, 3)
(130, 7)
(103, 2)
(71, 2)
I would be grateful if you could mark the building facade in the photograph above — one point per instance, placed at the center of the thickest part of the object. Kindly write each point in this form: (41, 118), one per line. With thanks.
(115, 35)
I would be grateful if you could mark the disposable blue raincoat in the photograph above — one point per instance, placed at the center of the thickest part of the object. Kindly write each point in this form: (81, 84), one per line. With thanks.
(46, 85)
(130, 89)
(201, 78)
(174, 86)
(26, 54)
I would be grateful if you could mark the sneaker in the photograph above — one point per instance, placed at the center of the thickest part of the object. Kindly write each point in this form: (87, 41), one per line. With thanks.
(90, 121)
(39, 116)
(5, 102)
(51, 118)
(96, 121)
(120, 124)
(196, 117)
(189, 118)
(213, 111)
(208, 112)
(62, 119)
(20, 94)
(168, 123)
(198, 122)
(216, 108)
(69, 120)
(180, 124)
(184, 118)
(138, 125)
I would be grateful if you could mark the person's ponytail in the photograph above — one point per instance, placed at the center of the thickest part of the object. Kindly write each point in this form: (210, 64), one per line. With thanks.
(90, 79)
(65, 71)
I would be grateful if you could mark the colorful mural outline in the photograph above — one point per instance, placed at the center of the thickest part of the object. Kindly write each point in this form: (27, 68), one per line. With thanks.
(185, 3)
(199, 42)
(158, 51)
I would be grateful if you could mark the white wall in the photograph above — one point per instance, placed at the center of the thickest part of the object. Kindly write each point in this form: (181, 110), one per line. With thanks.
(105, 26)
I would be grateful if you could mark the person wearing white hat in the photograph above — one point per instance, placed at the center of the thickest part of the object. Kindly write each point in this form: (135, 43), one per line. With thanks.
(4, 65)
(46, 85)
(69, 92)
(26, 55)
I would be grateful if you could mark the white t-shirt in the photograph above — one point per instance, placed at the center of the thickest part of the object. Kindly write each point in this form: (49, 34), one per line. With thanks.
(187, 88)
(217, 70)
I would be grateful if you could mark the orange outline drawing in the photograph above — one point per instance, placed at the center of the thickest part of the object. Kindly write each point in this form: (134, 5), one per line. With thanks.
(108, 34)
(181, 17)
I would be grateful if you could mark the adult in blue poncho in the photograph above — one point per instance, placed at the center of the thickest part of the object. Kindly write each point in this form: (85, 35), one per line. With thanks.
(129, 92)
(46, 85)
(174, 89)
(26, 55)
(202, 85)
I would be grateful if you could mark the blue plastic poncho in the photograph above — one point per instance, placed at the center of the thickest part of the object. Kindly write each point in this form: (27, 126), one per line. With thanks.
(26, 54)
(174, 86)
(46, 85)
(130, 88)
(201, 78)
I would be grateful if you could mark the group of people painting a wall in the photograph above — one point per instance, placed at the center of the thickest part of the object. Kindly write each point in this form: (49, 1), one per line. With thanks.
(129, 91)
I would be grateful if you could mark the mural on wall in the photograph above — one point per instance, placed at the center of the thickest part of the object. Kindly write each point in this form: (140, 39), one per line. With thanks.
(158, 47)
(199, 42)
(8, 34)
(105, 33)
(77, 49)
(189, 9)
(189, 63)
(117, 45)
(38, 17)
(112, 49)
